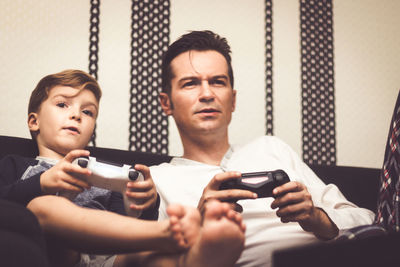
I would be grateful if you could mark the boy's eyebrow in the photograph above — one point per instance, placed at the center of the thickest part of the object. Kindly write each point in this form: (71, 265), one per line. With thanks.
(87, 103)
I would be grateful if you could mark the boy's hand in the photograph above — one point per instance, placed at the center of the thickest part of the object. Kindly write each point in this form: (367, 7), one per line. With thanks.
(144, 193)
(61, 176)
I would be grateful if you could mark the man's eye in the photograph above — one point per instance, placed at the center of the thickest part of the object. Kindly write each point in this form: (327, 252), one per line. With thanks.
(88, 112)
(189, 84)
(61, 104)
(218, 82)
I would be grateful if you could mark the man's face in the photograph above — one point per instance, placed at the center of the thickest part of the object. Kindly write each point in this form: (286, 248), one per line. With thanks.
(65, 121)
(202, 99)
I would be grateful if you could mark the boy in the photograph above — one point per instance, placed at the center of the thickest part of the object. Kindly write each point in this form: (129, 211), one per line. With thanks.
(61, 117)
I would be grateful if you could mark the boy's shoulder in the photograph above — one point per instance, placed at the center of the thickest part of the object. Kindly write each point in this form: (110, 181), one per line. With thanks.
(16, 162)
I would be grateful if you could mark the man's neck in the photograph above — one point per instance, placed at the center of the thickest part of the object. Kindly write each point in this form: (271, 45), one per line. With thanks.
(210, 151)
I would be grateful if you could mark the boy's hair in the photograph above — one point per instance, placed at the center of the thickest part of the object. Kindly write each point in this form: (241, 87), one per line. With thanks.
(194, 40)
(74, 78)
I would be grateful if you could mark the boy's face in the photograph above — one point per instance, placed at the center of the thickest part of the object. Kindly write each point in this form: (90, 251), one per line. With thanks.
(202, 99)
(65, 121)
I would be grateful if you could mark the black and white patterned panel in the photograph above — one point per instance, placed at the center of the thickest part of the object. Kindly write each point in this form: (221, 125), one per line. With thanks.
(317, 81)
(149, 40)
(94, 46)
(268, 67)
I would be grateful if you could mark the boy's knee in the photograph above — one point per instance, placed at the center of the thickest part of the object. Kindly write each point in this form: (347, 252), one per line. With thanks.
(42, 206)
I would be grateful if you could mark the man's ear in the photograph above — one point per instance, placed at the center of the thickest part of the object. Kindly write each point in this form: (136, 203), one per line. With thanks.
(33, 123)
(233, 100)
(166, 103)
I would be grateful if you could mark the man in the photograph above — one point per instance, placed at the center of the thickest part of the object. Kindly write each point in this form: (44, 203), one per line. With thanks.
(198, 93)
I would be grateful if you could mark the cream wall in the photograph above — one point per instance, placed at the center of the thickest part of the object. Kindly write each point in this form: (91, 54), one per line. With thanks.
(42, 37)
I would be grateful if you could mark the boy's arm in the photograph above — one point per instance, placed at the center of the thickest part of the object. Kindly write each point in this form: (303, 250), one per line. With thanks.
(12, 187)
(117, 205)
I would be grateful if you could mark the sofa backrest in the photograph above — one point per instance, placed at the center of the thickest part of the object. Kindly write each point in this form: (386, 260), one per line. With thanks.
(27, 148)
(359, 185)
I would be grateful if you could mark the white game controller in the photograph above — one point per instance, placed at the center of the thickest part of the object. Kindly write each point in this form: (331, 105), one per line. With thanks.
(109, 176)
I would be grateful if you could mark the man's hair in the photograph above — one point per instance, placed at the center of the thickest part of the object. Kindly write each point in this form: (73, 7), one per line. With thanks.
(194, 40)
(74, 78)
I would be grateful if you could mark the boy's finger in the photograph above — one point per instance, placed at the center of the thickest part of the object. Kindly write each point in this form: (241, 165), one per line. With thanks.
(76, 154)
(140, 185)
(76, 181)
(70, 187)
(143, 169)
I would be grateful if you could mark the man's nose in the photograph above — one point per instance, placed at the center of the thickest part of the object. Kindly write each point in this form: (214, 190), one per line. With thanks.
(206, 92)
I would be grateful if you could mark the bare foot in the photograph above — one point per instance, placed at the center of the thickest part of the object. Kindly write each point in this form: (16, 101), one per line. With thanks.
(184, 224)
(220, 240)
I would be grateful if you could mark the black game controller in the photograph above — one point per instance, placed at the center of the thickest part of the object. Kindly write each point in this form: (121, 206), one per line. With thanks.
(108, 175)
(261, 183)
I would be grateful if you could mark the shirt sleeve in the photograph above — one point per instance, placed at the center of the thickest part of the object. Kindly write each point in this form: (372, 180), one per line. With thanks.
(14, 189)
(342, 212)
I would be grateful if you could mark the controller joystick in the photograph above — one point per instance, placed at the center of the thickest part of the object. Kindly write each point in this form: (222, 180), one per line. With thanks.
(109, 176)
(261, 183)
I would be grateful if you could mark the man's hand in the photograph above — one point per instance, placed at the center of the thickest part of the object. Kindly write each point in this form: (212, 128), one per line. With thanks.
(62, 175)
(144, 193)
(212, 191)
(294, 204)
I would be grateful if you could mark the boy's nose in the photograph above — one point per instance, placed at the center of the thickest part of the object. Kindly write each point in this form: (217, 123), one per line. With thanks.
(75, 115)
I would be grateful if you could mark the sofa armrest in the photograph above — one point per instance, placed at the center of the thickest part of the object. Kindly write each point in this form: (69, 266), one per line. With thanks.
(358, 185)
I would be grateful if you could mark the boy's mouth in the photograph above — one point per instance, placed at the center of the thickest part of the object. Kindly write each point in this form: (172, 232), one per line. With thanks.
(72, 129)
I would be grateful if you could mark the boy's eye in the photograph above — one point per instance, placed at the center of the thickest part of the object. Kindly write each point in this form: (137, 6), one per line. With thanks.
(61, 104)
(88, 112)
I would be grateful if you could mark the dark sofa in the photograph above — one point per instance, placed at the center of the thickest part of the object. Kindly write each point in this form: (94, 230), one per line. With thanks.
(359, 185)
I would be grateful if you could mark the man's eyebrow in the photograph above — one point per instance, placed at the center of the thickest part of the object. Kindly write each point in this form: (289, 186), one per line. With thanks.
(188, 78)
(222, 76)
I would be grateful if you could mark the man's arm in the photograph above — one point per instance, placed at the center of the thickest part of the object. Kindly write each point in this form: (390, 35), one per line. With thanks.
(294, 204)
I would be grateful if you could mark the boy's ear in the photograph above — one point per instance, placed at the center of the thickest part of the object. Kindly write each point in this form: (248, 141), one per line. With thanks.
(166, 103)
(33, 123)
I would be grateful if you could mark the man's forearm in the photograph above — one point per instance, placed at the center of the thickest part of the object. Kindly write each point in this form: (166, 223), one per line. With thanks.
(321, 225)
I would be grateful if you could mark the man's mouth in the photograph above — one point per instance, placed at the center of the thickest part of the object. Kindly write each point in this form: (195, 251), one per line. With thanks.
(208, 110)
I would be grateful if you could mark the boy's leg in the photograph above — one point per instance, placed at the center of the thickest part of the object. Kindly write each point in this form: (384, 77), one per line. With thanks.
(22, 242)
(101, 232)
(216, 241)
(221, 238)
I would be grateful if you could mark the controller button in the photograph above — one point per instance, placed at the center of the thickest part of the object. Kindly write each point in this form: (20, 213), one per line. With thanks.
(133, 175)
(83, 163)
